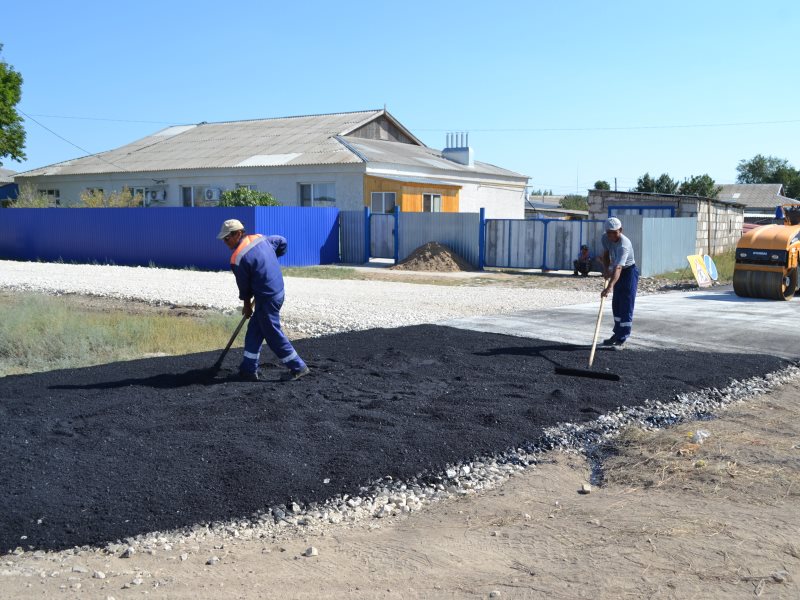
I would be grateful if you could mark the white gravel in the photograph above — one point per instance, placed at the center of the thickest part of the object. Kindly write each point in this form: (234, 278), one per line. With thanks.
(313, 306)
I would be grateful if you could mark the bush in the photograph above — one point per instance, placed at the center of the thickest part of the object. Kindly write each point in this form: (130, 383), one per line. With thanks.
(29, 197)
(247, 197)
(98, 199)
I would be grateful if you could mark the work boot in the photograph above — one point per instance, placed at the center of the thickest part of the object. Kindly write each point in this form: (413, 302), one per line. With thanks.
(295, 374)
(245, 376)
(614, 343)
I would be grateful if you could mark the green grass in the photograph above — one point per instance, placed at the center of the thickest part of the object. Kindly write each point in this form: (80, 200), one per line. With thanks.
(724, 262)
(39, 333)
(324, 272)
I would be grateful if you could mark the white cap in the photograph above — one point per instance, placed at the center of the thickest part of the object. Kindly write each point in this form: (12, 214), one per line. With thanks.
(229, 226)
(613, 224)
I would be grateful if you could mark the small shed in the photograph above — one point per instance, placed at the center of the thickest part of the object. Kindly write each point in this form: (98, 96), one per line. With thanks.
(719, 222)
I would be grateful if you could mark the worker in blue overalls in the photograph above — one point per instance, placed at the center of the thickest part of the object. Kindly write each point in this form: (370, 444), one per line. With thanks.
(622, 278)
(254, 262)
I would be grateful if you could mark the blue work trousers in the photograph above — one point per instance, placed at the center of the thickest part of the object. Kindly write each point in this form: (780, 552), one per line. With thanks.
(265, 324)
(623, 300)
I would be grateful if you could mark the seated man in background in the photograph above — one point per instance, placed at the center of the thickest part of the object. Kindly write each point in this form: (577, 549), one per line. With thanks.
(584, 262)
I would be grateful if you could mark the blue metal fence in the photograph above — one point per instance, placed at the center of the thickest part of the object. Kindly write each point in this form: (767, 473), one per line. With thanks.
(169, 237)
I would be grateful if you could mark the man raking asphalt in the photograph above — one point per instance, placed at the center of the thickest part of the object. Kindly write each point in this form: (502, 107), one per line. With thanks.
(254, 263)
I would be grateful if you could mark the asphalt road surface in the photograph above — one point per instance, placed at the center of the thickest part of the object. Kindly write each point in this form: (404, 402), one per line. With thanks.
(98, 454)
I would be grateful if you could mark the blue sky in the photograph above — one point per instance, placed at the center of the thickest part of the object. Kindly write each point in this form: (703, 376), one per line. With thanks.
(564, 92)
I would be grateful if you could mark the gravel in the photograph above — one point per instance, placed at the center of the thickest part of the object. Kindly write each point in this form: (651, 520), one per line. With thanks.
(313, 306)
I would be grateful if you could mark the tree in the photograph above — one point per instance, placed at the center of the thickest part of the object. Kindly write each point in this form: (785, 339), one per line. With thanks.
(699, 185)
(574, 202)
(247, 197)
(663, 185)
(12, 134)
(601, 185)
(770, 169)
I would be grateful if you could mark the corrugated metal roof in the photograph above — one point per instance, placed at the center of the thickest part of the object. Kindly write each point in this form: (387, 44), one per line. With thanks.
(305, 140)
(7, 175)
(755, 194)
(380, 151)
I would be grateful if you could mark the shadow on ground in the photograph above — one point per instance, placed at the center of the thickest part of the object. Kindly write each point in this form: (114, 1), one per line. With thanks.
(98, 454)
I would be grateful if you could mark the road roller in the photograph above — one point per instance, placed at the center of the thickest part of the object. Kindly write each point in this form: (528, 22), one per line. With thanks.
(766, 259)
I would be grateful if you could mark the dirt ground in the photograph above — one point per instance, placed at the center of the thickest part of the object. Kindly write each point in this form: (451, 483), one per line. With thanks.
(672, 520)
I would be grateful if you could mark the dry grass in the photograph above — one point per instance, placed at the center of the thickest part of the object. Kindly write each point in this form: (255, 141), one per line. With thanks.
(730, 462)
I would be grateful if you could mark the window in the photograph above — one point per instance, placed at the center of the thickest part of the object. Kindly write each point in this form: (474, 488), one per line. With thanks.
(382, 202)
(317, 194)
(54, 196)
(431, 203)
(187, 196)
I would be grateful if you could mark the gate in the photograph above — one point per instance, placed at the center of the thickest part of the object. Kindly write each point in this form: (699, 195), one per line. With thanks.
(381, 235)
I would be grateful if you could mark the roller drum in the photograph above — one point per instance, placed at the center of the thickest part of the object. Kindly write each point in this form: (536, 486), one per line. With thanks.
(765, 284)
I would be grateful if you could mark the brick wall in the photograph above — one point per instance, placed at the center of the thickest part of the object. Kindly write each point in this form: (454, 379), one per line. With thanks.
(724, 220)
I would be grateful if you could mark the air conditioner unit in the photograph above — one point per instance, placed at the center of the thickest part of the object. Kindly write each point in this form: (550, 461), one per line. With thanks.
(155, 195)
(212, 194)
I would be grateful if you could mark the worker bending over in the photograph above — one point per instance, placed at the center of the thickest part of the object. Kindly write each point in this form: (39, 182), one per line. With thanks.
(254, 262)
(622, 278)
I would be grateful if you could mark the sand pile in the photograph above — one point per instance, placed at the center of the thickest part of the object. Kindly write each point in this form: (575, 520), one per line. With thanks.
(434, 257)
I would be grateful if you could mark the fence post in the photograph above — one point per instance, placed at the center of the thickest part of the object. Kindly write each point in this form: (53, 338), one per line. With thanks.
(396, 233)
(482, 241)
(546, 222)
(367, 235)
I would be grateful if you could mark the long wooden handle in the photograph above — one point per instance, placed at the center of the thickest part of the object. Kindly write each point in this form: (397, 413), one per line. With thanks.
(597, 330)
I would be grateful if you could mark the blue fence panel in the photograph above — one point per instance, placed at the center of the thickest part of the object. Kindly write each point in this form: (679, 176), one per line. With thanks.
(312, 233)
(352, 237)
(169, 237)
(459, 231)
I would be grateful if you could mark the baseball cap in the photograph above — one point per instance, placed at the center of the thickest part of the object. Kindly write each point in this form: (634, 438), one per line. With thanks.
(613, 224)
(584, 247)
(229, 226)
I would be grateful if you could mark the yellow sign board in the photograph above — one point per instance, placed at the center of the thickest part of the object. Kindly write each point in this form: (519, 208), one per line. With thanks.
(699, 270)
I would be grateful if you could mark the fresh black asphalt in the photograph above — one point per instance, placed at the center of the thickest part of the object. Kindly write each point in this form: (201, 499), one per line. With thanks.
(99, 454)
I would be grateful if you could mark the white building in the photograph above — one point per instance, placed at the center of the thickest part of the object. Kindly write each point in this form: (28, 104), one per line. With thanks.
(347, 160)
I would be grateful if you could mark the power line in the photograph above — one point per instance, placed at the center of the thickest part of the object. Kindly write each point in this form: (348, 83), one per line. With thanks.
(97, 156)
(101, 119)
(630, 128)
(493, 129)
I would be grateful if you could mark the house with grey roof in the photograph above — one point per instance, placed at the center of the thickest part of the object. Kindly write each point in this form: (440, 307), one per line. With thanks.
(759, 199)
(8, 189)
(346, 160)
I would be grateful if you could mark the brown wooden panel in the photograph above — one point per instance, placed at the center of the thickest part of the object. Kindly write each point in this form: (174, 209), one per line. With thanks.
(409, 193)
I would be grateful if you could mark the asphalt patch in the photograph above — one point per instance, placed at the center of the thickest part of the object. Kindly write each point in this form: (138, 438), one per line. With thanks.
(99, 454)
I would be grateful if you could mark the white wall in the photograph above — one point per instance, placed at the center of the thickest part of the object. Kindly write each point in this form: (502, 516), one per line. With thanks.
(282, 182)
(500, 201)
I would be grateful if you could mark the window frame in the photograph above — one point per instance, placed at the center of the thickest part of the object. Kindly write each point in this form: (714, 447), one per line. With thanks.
(53, 196)
(434, 196)
(313, 201)
(383, 202)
